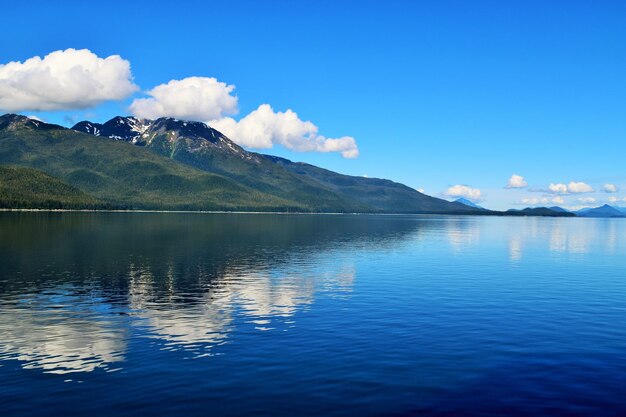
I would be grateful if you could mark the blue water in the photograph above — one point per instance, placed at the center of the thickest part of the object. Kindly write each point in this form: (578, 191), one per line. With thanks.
(167, 314)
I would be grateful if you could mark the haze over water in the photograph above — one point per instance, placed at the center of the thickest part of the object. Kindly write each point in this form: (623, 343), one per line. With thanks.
(297, 315)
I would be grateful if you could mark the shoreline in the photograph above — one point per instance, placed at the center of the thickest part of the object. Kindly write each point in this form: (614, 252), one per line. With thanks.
(489, 213)
(231, 212)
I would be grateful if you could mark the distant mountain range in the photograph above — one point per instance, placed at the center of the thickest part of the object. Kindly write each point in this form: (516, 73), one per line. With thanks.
(602, 211)
(540, 211)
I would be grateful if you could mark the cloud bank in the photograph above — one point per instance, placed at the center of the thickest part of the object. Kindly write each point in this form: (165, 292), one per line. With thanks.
(64, 80)
(212, 101)
(77, 79)
(264, 127)
(571, 188)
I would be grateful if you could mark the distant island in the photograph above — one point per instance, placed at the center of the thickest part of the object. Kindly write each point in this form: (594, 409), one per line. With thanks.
(169, 164)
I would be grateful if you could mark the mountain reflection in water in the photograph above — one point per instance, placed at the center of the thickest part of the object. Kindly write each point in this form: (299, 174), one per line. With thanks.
(76, 284)
(192, 314)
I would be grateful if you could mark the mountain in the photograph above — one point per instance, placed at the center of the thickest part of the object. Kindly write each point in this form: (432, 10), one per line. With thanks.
(468, 203)
(602, 211)
(559, 209)
(200, 146)
(171, 164)
(380, 194)
(29, 188)
(622, 209)
(122, 175)
(539, 211)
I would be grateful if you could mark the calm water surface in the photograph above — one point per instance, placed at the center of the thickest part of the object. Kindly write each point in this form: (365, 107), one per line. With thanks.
(229, 314)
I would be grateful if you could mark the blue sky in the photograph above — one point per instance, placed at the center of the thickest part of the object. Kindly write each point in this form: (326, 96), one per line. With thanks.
(436, 94)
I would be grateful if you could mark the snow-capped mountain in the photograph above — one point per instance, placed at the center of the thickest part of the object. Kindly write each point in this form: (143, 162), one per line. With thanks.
(128, 129)
(166, 134)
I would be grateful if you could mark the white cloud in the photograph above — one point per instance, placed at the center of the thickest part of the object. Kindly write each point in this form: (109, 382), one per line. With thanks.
(613, 199)
(420, 190)
(557, 188)
(610, 188)
(516, 181)
(587, 200)
(207, 99)
(63, 80)
(579, 187)
(472, 194)
(573, 188)
(533, 201)
(33, 117)
(263, 128)
(193, 98)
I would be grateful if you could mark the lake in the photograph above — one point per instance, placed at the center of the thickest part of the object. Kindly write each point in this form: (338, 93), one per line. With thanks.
(199, 314)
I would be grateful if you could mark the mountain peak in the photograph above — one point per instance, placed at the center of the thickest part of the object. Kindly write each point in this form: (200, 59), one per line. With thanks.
(467, 202)
(602, 211)
(128, 129)
(165, 133)
(11, 121)
(188, 128)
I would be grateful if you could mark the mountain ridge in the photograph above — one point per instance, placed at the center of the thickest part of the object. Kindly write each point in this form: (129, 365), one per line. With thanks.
(604, 211)
(198, 145)
(540, 211)
(124, 175)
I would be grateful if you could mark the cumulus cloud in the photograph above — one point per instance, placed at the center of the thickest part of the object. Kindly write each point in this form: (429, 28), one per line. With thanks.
(610, 188)
(472, 194)
(533, 201)
(571, 188)
(63, 80)
(579, 187)
(212, 101)
(613, 199)
(557, 188)
(193, 98)
(264, 127)
(587, 200)
(516, 181)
